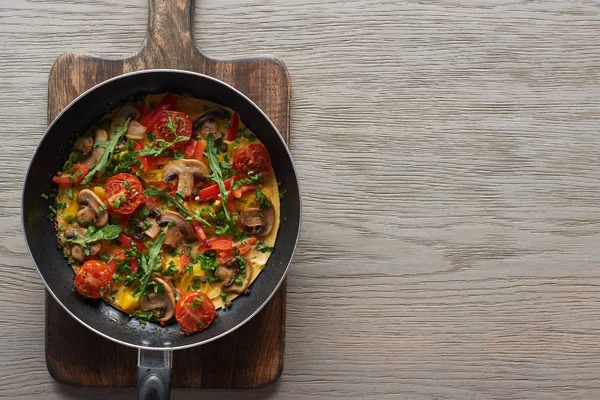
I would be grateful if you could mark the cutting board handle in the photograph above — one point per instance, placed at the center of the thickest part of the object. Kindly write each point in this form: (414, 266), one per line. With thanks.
(170, 33)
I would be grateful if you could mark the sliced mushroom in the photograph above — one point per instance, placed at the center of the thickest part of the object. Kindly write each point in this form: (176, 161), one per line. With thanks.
(84, 145)
(178, 230)
(259, 220)
(89, 209)
(229, 273)
(126, 112)
(135, 131)
(79, 255)
(210, 128)
(186, 171)
(151, 230)
(96, 153)
(163, 304)
(209, 115)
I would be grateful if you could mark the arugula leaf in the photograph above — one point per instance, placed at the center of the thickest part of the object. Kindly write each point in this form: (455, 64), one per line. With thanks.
(109, 149)
(172, 125)
(176, 201)
(107, 232)
(149, 263)
(217, 174)
(163, 145)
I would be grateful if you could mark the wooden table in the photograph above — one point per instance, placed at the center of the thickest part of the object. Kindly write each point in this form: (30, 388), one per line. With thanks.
(448, 155)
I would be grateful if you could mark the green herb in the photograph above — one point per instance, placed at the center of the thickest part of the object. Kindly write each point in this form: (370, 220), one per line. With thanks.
(70, 194)
(149, 263)
(262, 248)
(163, 145)
(200, 324)
(150, 137)
(172, 125)
(217, 174)
(109, 149)
(208, 261)
(144, 315)
(282, 194)
(223, 296)
(44, 196)
(175, 201)
(103, 207)
(239, 281)
(242, 264)
(104, 257)
(107, 232)
(197, 302)
(261, 199)
(117, 278)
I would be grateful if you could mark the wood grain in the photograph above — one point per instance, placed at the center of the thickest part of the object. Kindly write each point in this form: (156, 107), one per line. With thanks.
(248, 358)
(447, 152)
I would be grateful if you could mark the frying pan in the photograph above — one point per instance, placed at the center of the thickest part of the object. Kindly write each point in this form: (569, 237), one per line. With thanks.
(155, 344)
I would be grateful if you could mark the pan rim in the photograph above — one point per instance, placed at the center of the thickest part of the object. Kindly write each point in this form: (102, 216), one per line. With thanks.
(289, 261)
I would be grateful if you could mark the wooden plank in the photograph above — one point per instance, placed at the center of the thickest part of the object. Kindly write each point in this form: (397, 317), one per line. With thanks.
(472, 263)
(255, 355)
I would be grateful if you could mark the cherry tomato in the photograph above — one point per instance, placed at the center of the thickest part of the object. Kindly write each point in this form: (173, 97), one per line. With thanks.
(194, 311)
(124, 193)
(120, 257)
(79, 172)
(253, 157)
(171, 124)
(93, 276)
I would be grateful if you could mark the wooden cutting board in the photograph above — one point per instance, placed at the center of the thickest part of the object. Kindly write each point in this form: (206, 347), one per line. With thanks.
(255, 352)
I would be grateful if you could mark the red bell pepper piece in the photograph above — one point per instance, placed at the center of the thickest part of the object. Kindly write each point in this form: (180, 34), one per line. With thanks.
(79, 172)
(219, 244)
(143, 109)
(233, 127)
(129, 241)
(224, 256)
(244, 246)
(213, 191)
(189, 148)
(199, 150)
(184, 262)
(169, 102)
(199, 231)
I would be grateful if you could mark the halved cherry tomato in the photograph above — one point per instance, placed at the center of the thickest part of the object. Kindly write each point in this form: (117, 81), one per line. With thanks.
(194, 311)
(128, 241)
(198, 231)
(253, 157)
(233, 127)
(93, 276)
(124, 193)
(79, 172)
(244, 246)
(169, 102)
(180, 122)
(219, 244)
(120, 257)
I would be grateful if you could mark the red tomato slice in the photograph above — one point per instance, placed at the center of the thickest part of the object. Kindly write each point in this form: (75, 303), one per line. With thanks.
(79, 172)
(253, 157)
(133, 263)
(180, 122)
(124, 193)
(169, 102)
(93, 276)
(194, 311)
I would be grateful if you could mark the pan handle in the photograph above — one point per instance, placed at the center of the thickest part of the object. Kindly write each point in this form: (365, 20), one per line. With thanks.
(154, 374)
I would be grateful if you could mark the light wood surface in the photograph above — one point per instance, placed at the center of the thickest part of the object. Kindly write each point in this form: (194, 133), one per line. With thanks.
(448, 159)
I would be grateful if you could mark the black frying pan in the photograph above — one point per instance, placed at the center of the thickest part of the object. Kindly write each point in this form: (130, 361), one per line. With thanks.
(154, 342)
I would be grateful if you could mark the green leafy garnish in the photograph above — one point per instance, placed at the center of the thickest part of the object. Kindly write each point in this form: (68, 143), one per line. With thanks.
(163, 145)
(107, 232)
(172, 125)
(261, 199)
(217, 174)
(109, 149)
(263, 248)
(149, 263)
(175, 201)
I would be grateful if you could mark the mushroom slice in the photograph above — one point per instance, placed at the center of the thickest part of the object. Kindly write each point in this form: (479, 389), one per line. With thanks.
(209, 115)
(89, 209)
(186, 171)
(152, 230)
(163, 303)
(126, 112)
(78, 253)
(259, 220)
(135, 131)
(96, 153)
(178, 230)
(229, 272)
(84, 145)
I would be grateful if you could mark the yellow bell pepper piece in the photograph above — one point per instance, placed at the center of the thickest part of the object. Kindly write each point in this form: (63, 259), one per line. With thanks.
(127, 301)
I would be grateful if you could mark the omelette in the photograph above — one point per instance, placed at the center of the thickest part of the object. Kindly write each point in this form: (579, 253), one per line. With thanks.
(167, 209)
